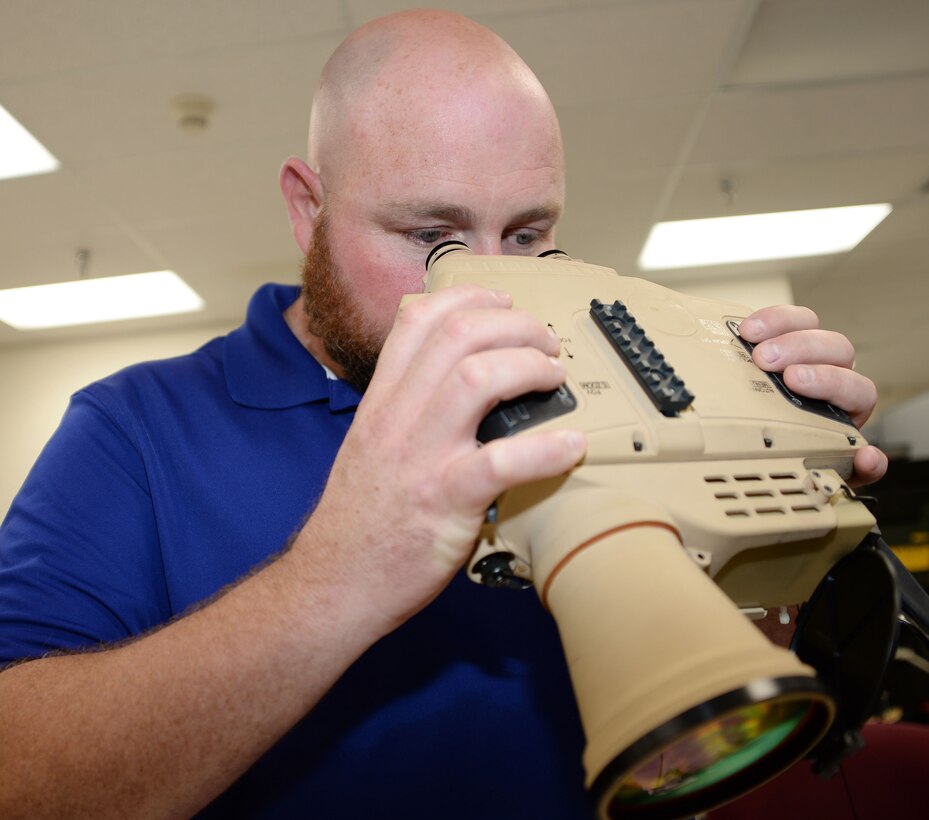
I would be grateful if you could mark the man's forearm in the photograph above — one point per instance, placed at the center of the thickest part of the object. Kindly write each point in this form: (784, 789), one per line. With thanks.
(161, 726)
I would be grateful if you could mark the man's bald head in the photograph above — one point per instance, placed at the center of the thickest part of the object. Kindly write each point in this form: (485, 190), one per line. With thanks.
(420, 80)
(426, 126)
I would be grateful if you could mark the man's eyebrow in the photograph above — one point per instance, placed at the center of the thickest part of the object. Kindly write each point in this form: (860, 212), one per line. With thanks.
(436, 211)
(461, 215)
(550, 212)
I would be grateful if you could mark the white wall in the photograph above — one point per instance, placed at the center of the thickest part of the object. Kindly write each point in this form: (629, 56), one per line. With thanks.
(36, 382)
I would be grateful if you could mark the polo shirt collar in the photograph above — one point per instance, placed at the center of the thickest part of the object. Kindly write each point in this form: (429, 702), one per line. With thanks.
(267, 368)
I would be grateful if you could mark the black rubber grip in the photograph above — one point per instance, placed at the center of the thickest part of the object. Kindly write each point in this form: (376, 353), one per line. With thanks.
(817, 406)
(514, 416)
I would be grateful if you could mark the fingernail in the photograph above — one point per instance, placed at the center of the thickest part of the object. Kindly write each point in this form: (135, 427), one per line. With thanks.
(751, 327)
(576, 441)
(805, 375)
(769, 352)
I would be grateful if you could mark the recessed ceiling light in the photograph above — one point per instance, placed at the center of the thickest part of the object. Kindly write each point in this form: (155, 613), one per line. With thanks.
(754, 237)
(21, 154)
(107, 299)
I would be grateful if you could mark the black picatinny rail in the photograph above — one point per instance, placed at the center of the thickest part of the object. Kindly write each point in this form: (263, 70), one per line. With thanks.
(646, 362)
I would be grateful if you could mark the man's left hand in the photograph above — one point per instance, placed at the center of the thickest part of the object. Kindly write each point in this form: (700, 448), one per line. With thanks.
(816, 363)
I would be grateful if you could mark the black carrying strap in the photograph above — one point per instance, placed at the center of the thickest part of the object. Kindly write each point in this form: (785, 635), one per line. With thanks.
(848, 631)
(914, 600)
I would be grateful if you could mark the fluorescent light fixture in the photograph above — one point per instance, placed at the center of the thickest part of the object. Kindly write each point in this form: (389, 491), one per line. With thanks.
(107, 299)
(21, 154)
(754, 237)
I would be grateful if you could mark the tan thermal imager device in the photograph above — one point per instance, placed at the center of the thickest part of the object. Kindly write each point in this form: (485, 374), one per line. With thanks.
(707, 487)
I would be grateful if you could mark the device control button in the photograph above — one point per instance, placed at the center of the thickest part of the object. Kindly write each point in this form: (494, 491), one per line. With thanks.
(513, 416)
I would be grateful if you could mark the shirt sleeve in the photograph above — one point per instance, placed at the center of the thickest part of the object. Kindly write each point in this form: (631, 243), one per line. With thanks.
(80, 562)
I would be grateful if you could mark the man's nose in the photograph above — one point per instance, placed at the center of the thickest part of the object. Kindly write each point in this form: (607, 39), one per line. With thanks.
(487, 245)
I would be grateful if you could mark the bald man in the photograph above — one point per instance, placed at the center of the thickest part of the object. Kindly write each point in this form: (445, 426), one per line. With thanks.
(348, 670)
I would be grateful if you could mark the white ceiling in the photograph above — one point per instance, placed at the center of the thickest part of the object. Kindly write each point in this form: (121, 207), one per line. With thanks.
(801, 103)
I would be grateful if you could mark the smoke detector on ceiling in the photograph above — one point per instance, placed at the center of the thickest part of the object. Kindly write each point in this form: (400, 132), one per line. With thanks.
(192, 112)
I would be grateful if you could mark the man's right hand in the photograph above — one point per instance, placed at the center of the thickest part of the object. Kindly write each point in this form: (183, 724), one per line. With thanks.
(411, 485)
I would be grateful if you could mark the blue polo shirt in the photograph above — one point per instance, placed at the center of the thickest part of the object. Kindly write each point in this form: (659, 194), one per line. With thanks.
(169, 480)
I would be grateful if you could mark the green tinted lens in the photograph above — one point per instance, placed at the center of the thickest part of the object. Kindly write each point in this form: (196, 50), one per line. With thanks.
(712, 753)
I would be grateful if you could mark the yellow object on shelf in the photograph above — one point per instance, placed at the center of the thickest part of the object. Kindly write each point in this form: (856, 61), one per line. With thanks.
(915, 557)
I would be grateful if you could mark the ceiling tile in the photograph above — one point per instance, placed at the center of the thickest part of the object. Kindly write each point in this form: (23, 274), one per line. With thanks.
(797, 41)
(42, 209)
(787, 185)
(208, 247)
(608, 217)
(112, 252)
(98, 113)
(362, 11)
(823, 120)
(54, 218)
(183, 185)
(39, 37)
(627, 51)
(629, 136)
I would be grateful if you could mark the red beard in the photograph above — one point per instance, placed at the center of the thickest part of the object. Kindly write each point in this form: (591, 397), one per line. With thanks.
(334, 315)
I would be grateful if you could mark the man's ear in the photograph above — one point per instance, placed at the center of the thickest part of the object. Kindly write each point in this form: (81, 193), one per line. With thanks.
(303, 193)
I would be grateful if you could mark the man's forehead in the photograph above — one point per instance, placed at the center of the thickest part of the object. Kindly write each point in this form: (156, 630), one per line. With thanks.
(432, 157)
(443, 155)
(443, 177)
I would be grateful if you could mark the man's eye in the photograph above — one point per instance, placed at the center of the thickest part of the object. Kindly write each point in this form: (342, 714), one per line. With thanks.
(524, 238)
(428, 236)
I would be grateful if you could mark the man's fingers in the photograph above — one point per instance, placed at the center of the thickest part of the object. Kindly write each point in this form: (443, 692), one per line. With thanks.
(470, 332)
(870, 466)
(418, 321)
(777, 320)
(479, 381)
(815, 363)
(478, 478)
(804, 347)
(854, 393)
